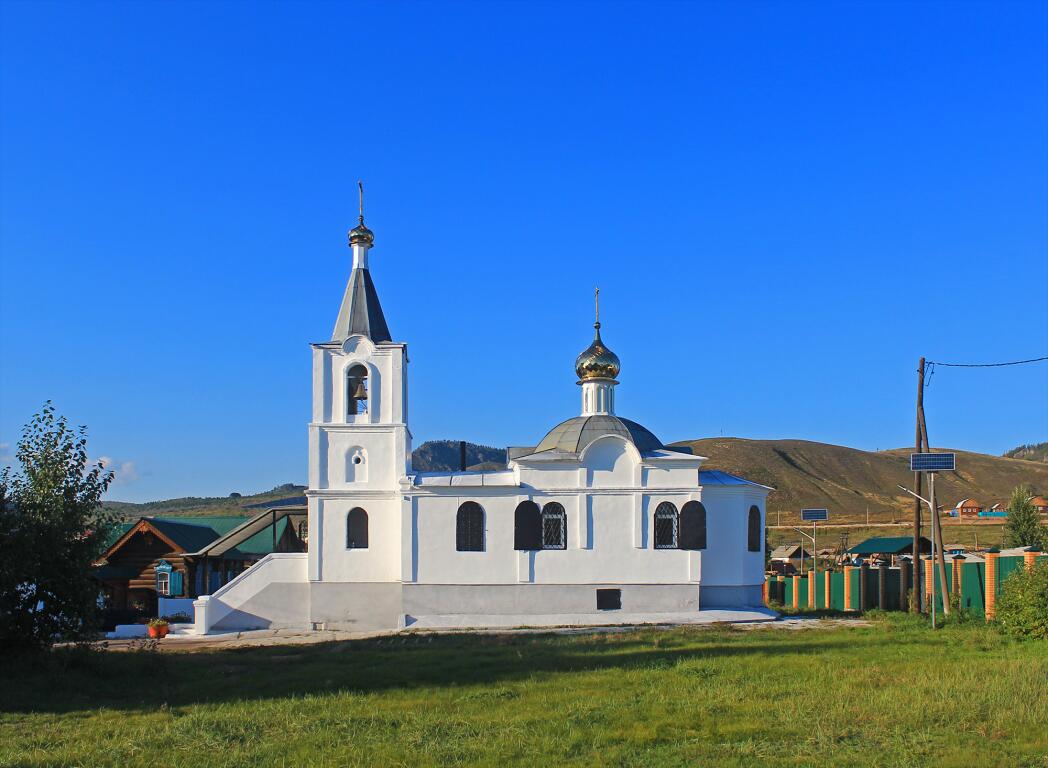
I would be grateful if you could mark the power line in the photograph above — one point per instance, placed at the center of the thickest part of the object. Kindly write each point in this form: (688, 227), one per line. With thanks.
(989, 365)
(931, 366)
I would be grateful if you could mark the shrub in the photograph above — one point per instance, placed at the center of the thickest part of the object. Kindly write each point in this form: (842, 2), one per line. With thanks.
(1022, 609)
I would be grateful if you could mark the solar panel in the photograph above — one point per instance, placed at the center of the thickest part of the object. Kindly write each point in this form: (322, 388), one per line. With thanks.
(932, 462)
(815, 514)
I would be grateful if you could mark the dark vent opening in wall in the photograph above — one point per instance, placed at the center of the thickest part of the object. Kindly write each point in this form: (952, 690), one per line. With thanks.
(609, 599)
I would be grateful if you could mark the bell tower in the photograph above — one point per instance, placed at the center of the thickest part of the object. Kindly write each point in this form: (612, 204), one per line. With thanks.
(359, 438)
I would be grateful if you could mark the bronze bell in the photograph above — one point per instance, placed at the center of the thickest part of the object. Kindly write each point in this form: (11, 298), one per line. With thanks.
(359, 391)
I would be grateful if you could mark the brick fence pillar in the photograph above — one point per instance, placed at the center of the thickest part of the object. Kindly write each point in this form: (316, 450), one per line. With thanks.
(813, 583)
(958, 564)
(848, 570)
(796, 590)
(828, 586)
(990, 600)
(1029, 558)
(929, 580)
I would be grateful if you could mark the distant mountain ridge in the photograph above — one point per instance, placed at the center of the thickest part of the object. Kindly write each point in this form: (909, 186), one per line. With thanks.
(845, 480)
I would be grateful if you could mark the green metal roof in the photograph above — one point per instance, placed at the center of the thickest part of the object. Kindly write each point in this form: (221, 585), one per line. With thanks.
(195, 533)
(889, 545)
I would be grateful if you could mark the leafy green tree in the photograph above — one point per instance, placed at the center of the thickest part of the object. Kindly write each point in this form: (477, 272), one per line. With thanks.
(1022, 608)
(1023, 527)
(52, 528)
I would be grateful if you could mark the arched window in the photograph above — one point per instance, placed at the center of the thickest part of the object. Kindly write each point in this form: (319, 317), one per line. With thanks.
(357, 529)
(357, 390)
(665, 526)
(554, 527)
(527, 526)
(693, 526)
(469, 528)
(753, 530)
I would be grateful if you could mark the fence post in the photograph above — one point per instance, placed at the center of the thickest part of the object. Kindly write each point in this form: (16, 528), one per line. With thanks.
(990, 600)
(864, 583)
(929, 580)
(796, 590)
(882, 586)
(764, 589)
(828, 587)
(958, 563)
(780, 590)
(904, 585)
(847, 587)
(1030, 559)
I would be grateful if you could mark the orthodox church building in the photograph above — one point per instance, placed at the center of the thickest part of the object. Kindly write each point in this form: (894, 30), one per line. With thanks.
(597, 516)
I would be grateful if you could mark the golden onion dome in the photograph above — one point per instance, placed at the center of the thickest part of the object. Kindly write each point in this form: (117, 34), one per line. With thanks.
(597, 361)
(361, 234)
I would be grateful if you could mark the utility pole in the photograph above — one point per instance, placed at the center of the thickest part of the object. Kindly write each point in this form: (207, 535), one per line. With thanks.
(917, 502)
(938, 554)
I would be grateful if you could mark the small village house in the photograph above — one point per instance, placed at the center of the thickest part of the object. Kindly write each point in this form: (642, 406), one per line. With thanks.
(788, 558)
(184, 557)
(967, 508)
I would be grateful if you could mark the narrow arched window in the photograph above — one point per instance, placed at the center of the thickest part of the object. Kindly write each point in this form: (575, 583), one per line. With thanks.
(469, 528)
(693, 526)
(357, 390)
(753, 530)
(527, 526)
(357, 529)
(666, 526)
(554, 527)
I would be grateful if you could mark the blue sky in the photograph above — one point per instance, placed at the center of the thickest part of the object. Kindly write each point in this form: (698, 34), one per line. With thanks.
(785, 206)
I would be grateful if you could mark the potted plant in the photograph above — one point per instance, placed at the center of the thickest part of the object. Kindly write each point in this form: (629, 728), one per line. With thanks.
(157, 628)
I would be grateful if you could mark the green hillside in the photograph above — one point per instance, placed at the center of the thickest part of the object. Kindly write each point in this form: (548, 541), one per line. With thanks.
(847, 480)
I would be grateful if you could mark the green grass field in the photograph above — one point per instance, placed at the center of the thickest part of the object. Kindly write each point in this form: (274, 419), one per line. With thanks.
(890, 694)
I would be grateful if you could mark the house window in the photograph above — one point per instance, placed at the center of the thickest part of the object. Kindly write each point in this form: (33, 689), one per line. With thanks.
(527, 526)
(303, 530)
(163, 583)
(693, 526)
(554, 527)
(753, 530)
(357, 390)
(469, 528)
(357, 529)
(666, 526)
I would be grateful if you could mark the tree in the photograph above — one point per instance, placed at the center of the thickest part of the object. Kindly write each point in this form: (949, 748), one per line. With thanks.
(52, 528)
(1023, 527)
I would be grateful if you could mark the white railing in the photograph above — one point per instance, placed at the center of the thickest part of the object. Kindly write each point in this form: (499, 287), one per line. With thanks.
(274, 568)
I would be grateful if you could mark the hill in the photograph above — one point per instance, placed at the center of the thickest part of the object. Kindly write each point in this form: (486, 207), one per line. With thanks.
(1032, 452)
(847, 480)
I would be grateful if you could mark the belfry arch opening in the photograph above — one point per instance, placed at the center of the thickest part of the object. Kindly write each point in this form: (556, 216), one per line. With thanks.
(357, 393)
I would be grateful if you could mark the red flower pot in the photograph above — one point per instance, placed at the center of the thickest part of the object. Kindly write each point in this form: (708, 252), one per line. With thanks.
(158, 632)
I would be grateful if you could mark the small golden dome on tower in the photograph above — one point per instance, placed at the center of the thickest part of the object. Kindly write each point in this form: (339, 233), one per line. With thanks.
(597, 361)
(360, 233)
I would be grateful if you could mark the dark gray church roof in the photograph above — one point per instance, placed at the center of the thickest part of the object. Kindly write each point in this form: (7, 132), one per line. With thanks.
(573, 435)
(361, 312)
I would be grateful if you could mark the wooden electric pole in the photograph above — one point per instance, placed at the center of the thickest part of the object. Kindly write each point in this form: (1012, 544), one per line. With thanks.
(917, 603)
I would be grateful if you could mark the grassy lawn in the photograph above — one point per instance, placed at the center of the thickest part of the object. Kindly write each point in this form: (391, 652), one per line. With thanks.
(985, 535)
(893, 693)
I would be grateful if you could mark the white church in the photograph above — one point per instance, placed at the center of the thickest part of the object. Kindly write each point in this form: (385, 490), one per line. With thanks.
(597, 519)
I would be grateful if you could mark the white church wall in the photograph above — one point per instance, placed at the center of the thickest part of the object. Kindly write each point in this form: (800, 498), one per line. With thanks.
(336, 562)
(726, 560)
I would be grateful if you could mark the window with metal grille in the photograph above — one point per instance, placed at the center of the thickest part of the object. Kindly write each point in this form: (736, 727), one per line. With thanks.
(469, 528)
(753, 538)
(665, 526)
(554, 527)
(357, 529)
(693, 526)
